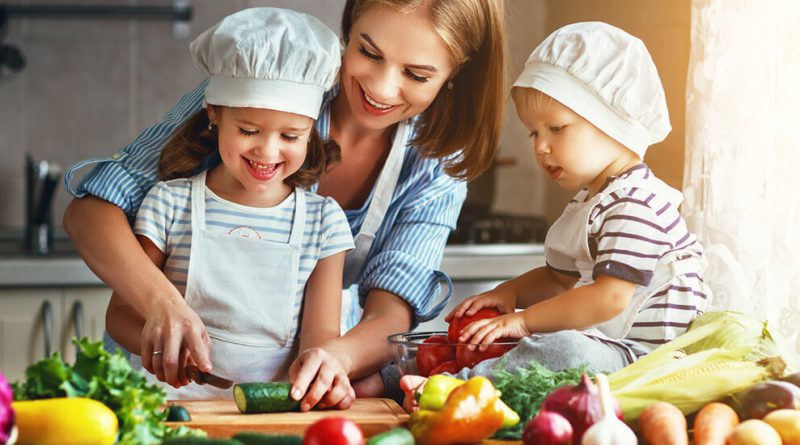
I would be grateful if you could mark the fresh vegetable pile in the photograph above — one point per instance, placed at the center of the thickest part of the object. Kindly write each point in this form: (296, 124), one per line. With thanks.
(720, 354)
(107, 378)
(525, 389)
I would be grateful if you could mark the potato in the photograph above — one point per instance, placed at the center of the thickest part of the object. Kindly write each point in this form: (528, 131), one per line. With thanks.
(787, 423)
(754, 432)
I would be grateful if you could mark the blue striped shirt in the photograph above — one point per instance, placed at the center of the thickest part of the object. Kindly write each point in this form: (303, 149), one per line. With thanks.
(407, 251)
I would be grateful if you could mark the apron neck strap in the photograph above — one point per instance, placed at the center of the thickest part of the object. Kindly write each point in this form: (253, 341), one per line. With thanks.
(387, 181)
(199, 201)
(299, 220)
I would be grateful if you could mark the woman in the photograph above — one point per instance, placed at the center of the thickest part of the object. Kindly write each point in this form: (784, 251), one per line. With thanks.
(418, 108)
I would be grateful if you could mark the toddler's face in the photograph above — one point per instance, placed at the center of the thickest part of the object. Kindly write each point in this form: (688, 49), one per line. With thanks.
(259, 147)
(569, 149)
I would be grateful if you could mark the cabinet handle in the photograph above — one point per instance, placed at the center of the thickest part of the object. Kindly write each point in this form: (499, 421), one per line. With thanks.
(77, 319)
(47, 326)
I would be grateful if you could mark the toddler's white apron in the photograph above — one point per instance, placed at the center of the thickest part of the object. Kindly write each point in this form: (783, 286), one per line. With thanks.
(567, 248)
(244, 290)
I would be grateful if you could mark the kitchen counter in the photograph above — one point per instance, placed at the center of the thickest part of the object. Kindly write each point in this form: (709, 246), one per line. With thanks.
(64, 268)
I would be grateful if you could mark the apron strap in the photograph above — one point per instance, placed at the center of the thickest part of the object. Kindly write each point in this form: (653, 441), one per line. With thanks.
(387, 182)
(299, 224)
(199, 201)
(381, 197)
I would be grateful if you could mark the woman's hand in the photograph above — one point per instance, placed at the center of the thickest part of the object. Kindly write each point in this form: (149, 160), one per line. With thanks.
(173, 335)
(499, 298)
(490, 329)
(319, 378)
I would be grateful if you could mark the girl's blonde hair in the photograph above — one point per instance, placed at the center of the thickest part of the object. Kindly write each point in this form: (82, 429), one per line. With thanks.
(529, 100)
(468, 118)
(193, 142)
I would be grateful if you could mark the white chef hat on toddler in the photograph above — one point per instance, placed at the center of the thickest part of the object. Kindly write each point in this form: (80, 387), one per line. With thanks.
(270, 58)
(606, 76)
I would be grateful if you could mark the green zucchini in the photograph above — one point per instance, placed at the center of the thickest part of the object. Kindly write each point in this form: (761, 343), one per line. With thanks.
(395, 436)
(251, 438)
(177, 413)
(259, 397)
(199, 441)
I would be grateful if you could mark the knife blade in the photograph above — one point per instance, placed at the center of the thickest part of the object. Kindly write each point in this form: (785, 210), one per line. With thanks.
(206, 378)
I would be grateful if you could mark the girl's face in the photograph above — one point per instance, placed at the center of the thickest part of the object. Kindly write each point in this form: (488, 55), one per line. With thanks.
(570, 150)
(393, 67)
(260, 147)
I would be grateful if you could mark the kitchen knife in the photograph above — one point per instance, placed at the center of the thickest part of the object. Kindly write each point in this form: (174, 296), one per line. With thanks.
(205, 378)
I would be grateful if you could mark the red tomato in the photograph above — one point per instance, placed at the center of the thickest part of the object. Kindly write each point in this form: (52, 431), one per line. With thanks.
(433, 351)
(457, 324)
(450, 367)
(467, 359)
(333, 431)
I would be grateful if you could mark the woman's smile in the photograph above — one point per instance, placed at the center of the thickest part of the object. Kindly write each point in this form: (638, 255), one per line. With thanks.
(374, 107)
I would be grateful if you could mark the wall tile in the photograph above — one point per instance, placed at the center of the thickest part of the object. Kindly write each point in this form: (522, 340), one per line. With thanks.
(163, 69)
(80, 29)
(77, 101)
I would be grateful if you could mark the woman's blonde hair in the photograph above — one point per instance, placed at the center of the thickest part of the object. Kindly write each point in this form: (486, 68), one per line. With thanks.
(466, 120)
(194, 141)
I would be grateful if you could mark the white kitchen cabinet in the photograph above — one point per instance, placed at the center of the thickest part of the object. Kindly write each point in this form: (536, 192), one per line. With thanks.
(33, 320)
(84, 315)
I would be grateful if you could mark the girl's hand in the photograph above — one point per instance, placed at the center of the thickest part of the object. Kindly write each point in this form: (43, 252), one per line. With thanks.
(411, 384)
(499, 298)
(490, 329)
(320, 380)
(177, 332)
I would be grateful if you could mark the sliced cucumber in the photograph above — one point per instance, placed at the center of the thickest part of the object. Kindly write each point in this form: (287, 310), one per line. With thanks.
(199, 441)
(252, 438)
(395, 436)
(177, 413)
(259, 397)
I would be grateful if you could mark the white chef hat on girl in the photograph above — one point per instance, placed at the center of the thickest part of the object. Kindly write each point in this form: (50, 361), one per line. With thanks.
(271, 58)
(606, 76)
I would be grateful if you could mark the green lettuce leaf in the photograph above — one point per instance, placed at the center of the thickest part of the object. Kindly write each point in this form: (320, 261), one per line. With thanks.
(107, 378)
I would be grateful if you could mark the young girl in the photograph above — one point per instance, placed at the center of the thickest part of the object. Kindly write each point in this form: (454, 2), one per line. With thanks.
(252, 251)
(623, 273)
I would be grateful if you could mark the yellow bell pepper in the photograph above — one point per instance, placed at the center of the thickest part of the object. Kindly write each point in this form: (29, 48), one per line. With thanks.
(65, 421)
(438, 388)
(472, 412)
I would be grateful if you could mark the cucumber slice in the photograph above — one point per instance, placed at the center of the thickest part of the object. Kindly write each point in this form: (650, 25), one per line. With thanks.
(252, 438)
(199, 441)
(260, 397)
(177, 413)
(395, 436)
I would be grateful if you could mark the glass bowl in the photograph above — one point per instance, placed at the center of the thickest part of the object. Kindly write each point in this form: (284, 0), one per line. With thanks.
(414, 356)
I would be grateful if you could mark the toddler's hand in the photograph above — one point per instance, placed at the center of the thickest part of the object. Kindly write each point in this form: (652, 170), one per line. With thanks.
(490, 329)
(498, 298)
(320, 380)
(410, 384)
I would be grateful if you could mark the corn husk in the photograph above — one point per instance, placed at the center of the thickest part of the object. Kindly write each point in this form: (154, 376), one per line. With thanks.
(721, 353)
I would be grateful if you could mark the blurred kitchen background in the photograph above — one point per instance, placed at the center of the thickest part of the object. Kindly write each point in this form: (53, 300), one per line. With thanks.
(91, 84)
(74, 87)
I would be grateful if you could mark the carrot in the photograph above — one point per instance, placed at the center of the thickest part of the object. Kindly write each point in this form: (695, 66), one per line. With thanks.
(714, 423)
(663, 424)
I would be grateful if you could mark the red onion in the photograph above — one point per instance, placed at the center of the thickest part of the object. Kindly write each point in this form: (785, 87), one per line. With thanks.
(547, 428)
(6, 412)
(579, 404)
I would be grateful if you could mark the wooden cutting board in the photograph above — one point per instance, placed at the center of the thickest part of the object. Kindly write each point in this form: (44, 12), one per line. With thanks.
(221, 418)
